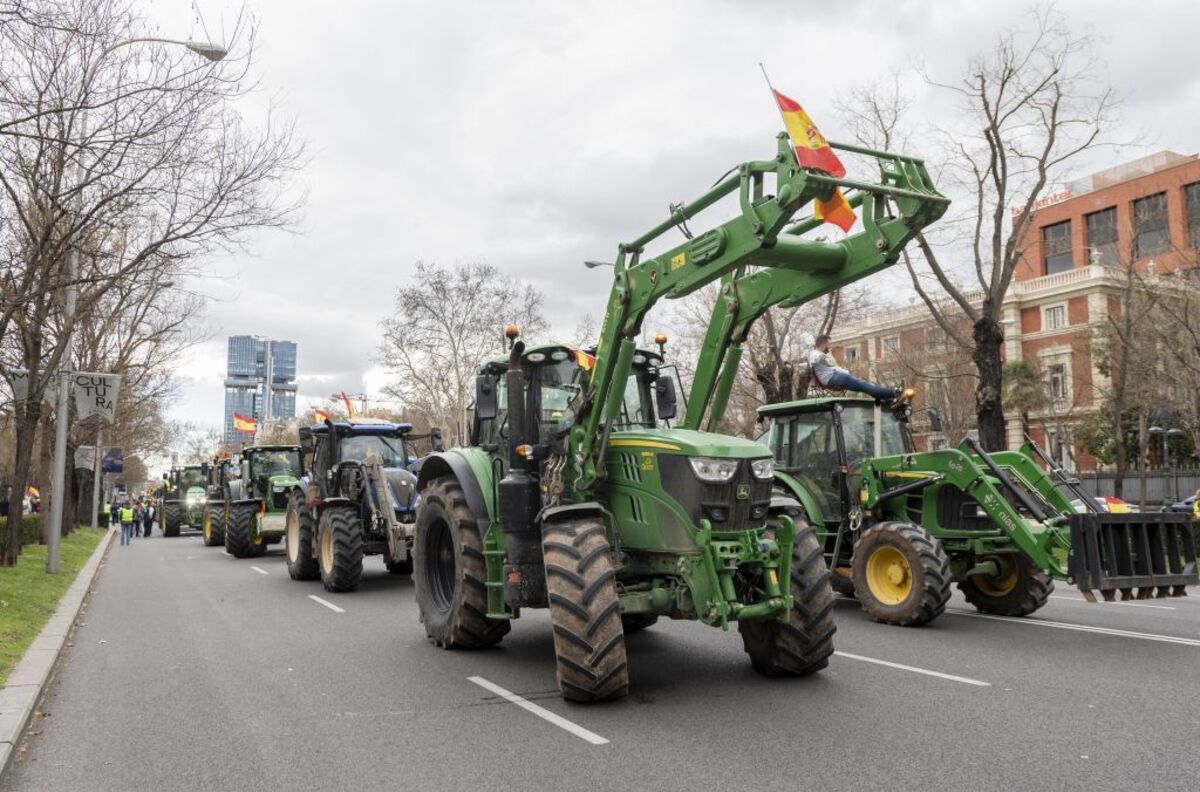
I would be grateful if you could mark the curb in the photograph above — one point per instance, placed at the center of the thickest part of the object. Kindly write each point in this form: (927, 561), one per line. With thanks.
(29, 678)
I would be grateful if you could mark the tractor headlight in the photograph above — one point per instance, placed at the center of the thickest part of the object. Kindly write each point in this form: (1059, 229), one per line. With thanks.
(714, 471)
(763, 469)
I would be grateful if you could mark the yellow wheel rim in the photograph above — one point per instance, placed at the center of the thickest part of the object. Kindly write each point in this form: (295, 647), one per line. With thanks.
(207, 527)
(293, 536)
(889, 576)
(1001, 584)
(326, 551)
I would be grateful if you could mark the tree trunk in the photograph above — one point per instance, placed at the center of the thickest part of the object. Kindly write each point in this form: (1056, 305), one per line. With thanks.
(43, 479)
(989, 404)
(1143, 456)
(28, 415)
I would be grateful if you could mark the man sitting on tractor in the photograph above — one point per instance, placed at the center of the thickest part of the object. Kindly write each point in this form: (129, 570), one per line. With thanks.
(829, 374)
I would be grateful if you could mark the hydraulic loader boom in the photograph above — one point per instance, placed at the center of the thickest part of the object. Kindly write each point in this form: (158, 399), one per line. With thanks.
(793, 270)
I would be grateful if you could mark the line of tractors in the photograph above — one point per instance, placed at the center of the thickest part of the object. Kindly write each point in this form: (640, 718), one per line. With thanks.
(595, 486)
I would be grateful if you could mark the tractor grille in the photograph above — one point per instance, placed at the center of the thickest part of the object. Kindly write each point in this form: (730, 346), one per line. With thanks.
(279, 500)
(718, 503)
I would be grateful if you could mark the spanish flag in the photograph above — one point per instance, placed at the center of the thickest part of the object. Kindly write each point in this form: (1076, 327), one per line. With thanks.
(836, 210)
(584, 360)
(243, 424)
(812, 149)
(320, 415)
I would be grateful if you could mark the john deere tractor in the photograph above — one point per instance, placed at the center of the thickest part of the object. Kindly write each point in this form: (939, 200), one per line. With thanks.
(899, 526)
(578, 494)
(258, 498)
(216, 505)
(358, 499)
(182, 499)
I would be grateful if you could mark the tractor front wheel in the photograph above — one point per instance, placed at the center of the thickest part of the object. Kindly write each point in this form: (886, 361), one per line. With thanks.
(301, 561)
(901, 574)
(589, 641)
(172, 518)
(449, 571)
(801, 642)
(1019, 590)
(214, 526)
(340, 548)
(240, 538)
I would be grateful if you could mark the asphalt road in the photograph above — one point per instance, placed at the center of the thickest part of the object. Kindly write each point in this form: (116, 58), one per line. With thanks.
(197, 671)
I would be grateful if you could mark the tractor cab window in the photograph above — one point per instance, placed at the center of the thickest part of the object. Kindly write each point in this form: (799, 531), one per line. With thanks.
(858, 431)
(192, 477)
(814, 457)
(275, 463)
(559, 385)
(390, 450)
(637, 409)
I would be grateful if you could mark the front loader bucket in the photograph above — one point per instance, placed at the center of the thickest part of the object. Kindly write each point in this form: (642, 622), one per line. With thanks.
(1154, 553)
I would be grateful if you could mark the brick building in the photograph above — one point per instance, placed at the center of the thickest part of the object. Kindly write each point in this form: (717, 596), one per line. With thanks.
(1145, 214)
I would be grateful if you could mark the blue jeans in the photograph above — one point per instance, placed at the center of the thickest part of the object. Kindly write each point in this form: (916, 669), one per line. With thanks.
(126, 532)
(852, 383)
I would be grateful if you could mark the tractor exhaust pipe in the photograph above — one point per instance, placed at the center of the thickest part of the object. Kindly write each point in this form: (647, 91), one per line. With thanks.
(520, 498)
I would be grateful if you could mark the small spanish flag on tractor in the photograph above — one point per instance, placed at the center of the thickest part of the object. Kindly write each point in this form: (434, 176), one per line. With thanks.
(243, 424)
(584, 360)
(813, 151)
(320, 415)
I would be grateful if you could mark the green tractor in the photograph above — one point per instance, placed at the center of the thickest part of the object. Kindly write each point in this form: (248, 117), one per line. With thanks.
(358, 499)
(216, 505)
(578, 495)
(181, 501)
(899, 526)
(258, 496)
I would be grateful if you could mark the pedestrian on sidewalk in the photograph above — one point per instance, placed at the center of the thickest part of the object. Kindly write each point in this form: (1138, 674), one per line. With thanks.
(106, 518)
(126, 523)
(147, 517)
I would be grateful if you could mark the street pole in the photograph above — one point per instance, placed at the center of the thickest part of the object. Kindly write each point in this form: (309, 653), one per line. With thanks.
(96, 479)
(62, 418)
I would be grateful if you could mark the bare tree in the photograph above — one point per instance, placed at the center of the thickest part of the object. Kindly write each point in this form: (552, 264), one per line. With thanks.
(445, 323)
(1034, 104)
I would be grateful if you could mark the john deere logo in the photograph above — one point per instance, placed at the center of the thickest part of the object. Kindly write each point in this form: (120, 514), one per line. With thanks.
(743, 492)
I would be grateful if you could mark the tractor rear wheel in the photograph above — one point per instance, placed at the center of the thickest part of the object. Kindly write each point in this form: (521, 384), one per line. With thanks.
(1019, 590)
(340, 548)
(214, 526)
(801, 642)
(301, 562)
(901, 574)
(636, 622)
(449, 572)
(240, 539)
(589, 641)
(172, 517)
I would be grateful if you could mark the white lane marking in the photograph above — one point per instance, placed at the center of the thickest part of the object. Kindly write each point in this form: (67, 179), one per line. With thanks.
(544, 714)
(1102, 602)
(915, 670)
(260, 570)
(326, 603)
(1081, 628)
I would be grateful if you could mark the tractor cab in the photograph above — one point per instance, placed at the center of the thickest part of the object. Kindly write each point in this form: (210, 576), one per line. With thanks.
(269, 473)
(338, 449)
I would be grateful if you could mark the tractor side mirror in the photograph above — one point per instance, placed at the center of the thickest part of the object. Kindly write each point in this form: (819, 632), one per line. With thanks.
(664, 397)
(435, 439)
(486, 400)
(935, 419)
(166, 476)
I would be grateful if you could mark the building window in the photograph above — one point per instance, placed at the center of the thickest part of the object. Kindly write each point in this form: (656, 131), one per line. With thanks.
(1054, 317)
(891, 345)
(1056, 382)
(1150, 233)
(1191, 195)
(1056, 247)
(851, 354)
(1102, 237)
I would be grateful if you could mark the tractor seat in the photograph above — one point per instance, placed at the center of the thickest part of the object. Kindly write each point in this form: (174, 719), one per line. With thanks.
(815, 386)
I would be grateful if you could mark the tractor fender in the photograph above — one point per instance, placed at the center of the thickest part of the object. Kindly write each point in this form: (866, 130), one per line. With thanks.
(788, 488)
(244, 502)
(449, 464)
(571, 510)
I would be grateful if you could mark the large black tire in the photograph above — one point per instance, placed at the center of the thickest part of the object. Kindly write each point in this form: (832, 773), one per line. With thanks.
(340, 548)
(801, 643)
(1021, 590)
(449, 572)
(240, 541)
(901, 574)
(636, 622)
(301, 560)
(172, 518)
(589, 641)
(213, 526)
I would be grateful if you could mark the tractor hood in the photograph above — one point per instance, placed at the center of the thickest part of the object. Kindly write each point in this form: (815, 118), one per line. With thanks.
(196, 494)
(282, 483)
(690, 443)
(403, 486)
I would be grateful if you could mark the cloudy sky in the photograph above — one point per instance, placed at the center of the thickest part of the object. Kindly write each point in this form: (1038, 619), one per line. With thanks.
(534, 135)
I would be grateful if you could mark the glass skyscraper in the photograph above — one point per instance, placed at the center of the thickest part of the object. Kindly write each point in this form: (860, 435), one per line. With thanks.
(260, 381)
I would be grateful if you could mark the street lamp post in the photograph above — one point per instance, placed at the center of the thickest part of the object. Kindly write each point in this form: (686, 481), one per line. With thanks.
(211, 52)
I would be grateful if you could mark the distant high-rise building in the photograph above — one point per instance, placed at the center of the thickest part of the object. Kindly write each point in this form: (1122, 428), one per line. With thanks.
(260, 380)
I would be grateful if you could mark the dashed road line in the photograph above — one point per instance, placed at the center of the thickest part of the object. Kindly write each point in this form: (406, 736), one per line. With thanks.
(260, 570)
(914, 669)
(544, 714)
(326, 603)
(1103, 602)
(1027, 620)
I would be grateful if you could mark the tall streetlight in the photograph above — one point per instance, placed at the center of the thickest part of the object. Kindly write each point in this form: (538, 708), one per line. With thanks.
(208, 51)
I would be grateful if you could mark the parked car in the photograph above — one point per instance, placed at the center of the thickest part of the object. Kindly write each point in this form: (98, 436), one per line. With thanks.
(1111, 505)
(1185, 505)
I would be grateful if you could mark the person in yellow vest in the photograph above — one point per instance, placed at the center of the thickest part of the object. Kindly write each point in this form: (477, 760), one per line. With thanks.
(126, 522)
(107, 518)
(1196, 506)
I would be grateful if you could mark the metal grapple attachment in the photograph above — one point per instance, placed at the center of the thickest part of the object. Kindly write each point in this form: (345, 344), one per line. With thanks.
(1153, 553)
